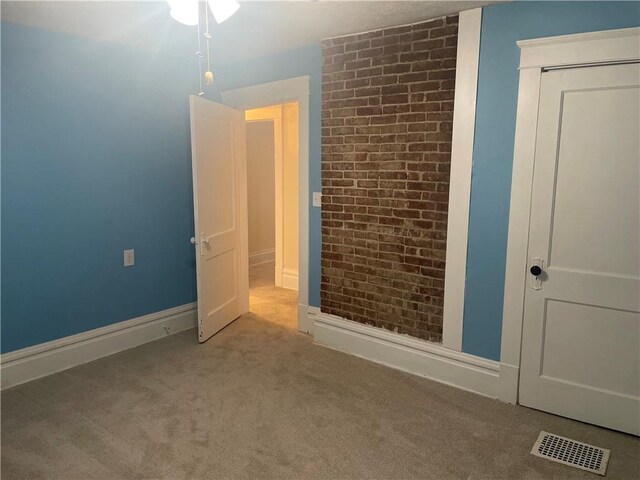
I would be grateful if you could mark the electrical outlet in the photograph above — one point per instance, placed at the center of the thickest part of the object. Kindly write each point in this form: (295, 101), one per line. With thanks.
(317, 199)
(129, 258)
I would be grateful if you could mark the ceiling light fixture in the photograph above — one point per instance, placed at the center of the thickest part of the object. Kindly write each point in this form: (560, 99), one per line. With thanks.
(186, 11)
(223, 9)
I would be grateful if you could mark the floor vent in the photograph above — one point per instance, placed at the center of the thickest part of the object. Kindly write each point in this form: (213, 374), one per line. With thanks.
(572, 453)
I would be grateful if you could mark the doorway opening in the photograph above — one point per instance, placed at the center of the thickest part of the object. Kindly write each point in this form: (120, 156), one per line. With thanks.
(272, 148)
(280, 92)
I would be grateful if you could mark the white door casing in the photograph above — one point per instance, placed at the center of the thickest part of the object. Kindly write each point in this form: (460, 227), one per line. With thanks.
(280, 92)
(538, 55)
(581, 331)
(464, 120)
(219, 195)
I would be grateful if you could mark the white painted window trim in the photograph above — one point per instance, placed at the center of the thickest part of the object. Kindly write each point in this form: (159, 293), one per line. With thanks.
(273, 93)
(464, 119)
(603, 47)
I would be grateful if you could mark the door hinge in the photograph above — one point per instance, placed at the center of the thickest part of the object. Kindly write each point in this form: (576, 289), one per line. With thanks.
(200, 326)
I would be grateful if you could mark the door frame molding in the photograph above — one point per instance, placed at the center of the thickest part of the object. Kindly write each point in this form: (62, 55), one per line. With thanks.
(538, 55)
(273, 93)
(464, 126)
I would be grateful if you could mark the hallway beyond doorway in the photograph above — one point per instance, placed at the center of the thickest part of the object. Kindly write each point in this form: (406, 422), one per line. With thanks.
(273, 304)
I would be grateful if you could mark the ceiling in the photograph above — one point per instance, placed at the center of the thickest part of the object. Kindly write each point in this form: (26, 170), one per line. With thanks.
(257, 29)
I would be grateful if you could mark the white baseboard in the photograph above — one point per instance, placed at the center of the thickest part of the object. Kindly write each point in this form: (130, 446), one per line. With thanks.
(44, 359)
(412, 355)
(509, 380)
(307, 318)
(290, 279)
(263, 256)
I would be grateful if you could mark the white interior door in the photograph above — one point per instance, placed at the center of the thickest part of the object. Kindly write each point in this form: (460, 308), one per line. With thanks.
(581, 330)
(219, 196)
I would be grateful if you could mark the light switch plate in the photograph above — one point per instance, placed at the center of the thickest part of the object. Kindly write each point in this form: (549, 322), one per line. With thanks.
(129, 258)
(317, 199)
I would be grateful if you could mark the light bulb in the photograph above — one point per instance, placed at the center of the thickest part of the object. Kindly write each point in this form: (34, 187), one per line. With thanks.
(223, 9)
(184, 11)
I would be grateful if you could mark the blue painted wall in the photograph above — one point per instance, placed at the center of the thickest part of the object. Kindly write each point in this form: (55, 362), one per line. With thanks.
(502, 26)
(294, 63)
(95, 159)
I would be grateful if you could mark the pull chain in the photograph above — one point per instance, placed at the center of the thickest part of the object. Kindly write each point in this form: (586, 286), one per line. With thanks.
(208, 75)
(199, 53)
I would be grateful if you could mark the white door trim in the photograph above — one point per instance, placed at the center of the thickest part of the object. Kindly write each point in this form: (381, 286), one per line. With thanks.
(607, 46)
(273, 93)
(464, 122)
(537, 55)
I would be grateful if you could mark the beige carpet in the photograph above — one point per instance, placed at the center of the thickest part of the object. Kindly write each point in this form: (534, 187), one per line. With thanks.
(259, 400)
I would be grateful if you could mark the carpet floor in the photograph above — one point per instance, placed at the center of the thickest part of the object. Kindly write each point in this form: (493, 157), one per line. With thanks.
(260, 400)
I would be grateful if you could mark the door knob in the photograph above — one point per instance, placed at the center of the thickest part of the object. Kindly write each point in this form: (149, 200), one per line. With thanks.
(193, 241)
(535, 270)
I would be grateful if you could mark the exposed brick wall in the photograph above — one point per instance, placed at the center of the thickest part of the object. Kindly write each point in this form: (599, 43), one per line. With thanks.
(386, 142)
